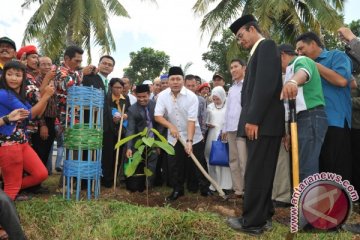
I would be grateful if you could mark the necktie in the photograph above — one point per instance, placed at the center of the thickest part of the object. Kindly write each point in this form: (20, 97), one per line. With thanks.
(106, 84)
(148, 122)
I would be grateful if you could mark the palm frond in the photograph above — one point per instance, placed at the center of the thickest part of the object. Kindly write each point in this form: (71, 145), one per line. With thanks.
(220, 17)
(201, 6)
(114, 7)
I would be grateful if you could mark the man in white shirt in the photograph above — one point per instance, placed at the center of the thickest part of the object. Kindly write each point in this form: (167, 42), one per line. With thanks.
(237, 145)
(180, 105)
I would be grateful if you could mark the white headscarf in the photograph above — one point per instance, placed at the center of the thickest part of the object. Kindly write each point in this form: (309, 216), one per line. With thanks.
(220, 93)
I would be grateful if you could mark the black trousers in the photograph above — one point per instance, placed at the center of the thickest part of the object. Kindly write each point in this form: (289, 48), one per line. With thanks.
(109, 158)
(335, 155)
(355, 150)
(162, 171)
(181, 162)
(259, 176)
(43, 147)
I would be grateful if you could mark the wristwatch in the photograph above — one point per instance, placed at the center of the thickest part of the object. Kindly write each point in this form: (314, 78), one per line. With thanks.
(6, 119)
(189, 140)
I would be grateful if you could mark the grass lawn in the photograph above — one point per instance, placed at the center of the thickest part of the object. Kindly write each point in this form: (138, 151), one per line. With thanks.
(52, 217)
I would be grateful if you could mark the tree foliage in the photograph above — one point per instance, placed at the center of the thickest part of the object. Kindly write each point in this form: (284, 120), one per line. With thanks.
(332, 41)
(283, 17)
(60, 23)
(221, 52)
(146, 64)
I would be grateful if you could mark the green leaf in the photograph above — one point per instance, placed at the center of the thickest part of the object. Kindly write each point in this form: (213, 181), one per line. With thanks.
(147, 172)
(149, 141)
(138, 143)
(156, 132)
(166, 147)
(144, 132)
(136, 159)
(125, 140)
(130, 169)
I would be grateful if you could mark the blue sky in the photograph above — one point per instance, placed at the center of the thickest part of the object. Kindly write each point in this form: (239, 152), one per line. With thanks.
(169, 25)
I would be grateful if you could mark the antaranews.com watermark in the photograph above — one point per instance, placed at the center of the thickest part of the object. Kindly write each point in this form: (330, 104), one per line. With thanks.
(322, 201)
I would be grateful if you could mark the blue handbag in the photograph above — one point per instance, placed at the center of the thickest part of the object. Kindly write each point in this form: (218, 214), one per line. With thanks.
(219, 154)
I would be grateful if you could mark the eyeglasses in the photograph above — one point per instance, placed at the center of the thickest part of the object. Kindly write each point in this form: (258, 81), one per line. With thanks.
(240, 35)
(117, 88)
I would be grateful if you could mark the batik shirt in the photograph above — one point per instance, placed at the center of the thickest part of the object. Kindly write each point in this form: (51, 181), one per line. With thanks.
(65, 78)
(33, 97)
(50, 111)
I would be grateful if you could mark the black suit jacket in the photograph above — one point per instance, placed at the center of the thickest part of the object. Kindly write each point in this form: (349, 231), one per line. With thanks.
(137, 120)
(93, 80)
(260, 96)
(88, 81)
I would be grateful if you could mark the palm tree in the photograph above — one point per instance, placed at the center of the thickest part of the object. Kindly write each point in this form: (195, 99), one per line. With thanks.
(283, 18)
(59, 23)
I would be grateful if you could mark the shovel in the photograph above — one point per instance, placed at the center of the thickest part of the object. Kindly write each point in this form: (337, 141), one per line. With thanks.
(202, 170)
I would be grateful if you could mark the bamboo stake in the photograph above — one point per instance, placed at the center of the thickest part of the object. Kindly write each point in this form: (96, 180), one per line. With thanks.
(117, 150)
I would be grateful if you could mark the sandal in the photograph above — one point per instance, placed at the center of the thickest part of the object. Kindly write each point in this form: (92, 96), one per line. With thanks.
(22, 197)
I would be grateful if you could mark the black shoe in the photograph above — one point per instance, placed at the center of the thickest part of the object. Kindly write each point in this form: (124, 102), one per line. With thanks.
(268, 225)
(353, 228)
(228, 191)
(58, 169)
(38, 189)
(280, 204)
(237, 224)
(107, 184)
(174, 195)
(193, 190)
(206, 193)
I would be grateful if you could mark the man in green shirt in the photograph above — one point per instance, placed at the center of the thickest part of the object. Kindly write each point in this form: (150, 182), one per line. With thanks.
(302, 82)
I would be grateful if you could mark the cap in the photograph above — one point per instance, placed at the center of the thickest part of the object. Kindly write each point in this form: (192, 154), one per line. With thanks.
(164, 77)
(217, 75)
(9, 41)
(203, 86)
(29, 49)
(147, 82)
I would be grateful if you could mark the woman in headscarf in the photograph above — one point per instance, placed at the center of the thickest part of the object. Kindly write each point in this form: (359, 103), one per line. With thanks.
(114, 103)
(215, 122)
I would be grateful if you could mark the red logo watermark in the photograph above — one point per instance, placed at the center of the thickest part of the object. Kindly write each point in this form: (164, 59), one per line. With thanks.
(323, 201)
(325, 205)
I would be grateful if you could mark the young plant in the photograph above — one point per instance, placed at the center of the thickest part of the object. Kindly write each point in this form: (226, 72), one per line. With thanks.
(145, 146)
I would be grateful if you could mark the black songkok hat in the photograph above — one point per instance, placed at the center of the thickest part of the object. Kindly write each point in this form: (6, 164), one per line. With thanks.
(176, 71)
(142, 88)
(241, 22)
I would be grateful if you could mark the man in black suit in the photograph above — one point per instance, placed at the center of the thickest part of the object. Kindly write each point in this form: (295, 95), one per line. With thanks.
(140, 116)
(98, 78)
(262, 122)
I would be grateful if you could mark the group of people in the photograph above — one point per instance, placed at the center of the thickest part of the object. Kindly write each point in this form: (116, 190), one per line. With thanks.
(250, 116)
